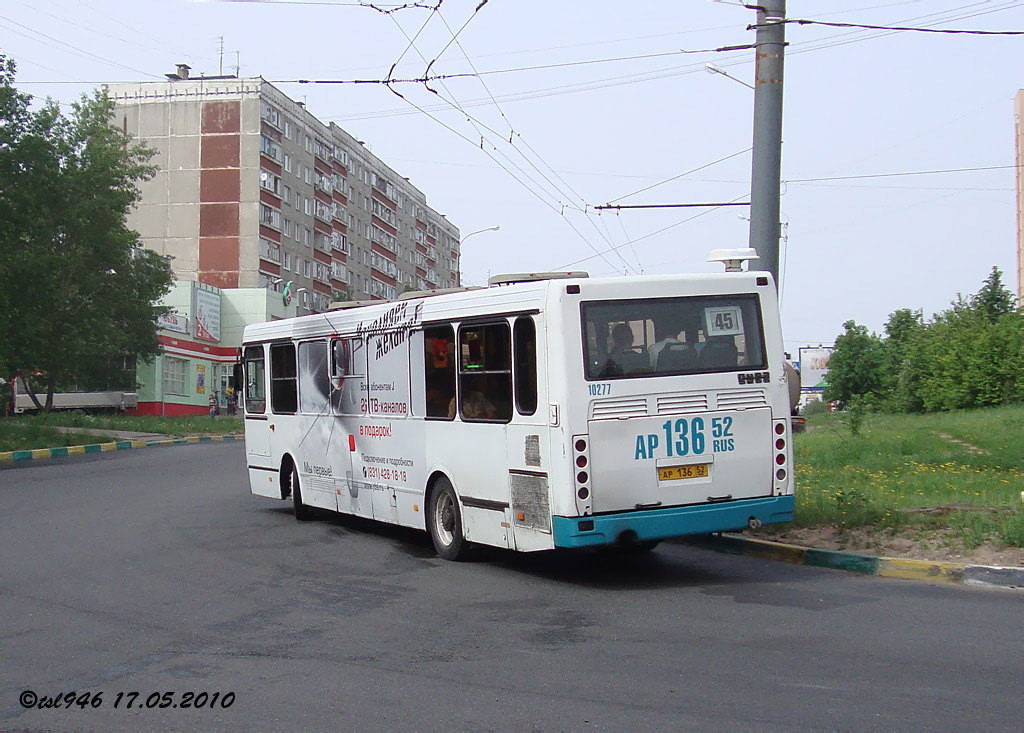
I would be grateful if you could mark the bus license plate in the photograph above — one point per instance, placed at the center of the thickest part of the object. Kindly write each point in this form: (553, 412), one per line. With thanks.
(673, 473)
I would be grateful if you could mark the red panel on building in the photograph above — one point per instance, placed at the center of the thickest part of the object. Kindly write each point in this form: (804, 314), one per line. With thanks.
(222, 117)
(219, 151)
(220, 184)
(218, 261)
(218, 220)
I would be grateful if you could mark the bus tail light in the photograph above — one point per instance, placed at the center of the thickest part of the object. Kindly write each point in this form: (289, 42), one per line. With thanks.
(582, 484)
(781, 457)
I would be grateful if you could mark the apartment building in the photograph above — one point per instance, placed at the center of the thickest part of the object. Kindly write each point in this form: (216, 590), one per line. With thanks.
(254, 191)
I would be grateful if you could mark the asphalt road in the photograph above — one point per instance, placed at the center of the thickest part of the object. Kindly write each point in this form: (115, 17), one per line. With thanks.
(156, 571)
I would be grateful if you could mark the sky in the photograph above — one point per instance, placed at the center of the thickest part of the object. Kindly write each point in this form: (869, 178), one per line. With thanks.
(623, 111)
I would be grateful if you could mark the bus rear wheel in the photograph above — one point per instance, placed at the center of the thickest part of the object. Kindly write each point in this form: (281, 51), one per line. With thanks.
(302, 512)
(444, 522)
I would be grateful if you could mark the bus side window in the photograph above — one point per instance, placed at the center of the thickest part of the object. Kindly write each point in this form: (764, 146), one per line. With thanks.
(255, 386)
(314, 384)
(439, 367)
(524, 334)
(347, 376)
(283, 394)
(485, 373)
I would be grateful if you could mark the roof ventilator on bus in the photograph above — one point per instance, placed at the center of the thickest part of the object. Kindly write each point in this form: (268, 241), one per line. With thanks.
(733, 259)
(780, 456)
(581, 468)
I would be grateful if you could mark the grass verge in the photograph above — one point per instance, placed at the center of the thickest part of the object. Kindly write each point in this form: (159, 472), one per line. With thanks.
(28, 432)
(958, 474)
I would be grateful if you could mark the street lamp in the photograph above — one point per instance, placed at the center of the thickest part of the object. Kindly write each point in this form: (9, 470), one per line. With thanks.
(712, 69)
(494, 228)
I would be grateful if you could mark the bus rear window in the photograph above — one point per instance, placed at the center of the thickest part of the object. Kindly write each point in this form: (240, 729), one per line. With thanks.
(671, 336)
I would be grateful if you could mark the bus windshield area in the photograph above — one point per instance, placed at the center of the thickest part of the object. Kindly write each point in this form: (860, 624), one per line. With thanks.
(625, 339)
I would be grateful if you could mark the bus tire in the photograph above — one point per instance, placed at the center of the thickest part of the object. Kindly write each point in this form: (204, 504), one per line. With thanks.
(444, 522)
(303, 513)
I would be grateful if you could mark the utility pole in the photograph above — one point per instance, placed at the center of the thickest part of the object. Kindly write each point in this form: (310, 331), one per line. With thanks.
(766, 171)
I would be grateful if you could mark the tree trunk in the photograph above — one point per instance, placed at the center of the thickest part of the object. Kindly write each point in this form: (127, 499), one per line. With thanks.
(31, 393)
(51, 387)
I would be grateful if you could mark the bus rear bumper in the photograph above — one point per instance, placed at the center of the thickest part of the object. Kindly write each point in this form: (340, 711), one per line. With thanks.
(660, 524)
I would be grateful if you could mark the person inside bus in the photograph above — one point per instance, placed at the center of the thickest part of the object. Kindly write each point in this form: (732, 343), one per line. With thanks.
(475, 406)
(623, 357)
(669, 353)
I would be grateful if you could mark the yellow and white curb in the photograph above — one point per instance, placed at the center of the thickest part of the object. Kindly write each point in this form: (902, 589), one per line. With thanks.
(887, 567)
(81, 450)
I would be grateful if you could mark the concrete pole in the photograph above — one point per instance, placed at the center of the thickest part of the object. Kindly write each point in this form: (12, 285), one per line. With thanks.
(766, 170)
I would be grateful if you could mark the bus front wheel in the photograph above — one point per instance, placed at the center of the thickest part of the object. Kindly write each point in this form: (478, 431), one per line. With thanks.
(444, 522)
(302, 512)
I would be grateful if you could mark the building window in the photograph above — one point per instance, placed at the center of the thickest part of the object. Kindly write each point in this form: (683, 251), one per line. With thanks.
(287, 195)
(307, 237)
(286, 261)
(287, 230)
(270, 217)
(269, 147)
(270, 251)
(270, 182)
(288, 162)
(174, 375)
(270, 114)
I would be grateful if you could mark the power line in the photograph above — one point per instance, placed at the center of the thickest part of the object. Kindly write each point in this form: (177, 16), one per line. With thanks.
(908, 173)
(515, 70)
(474, 122)
(672, 206)
(673, 178)
(802, 21)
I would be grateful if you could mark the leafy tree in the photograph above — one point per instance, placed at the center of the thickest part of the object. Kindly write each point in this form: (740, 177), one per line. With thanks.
(993, 300)
(80, 292)
(904, 329)
(856, 366)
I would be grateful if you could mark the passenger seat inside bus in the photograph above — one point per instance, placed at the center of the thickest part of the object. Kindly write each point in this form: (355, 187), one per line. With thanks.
(677, 358)
(720, 352)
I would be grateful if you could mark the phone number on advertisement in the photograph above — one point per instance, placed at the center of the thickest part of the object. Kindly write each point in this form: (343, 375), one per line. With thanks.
(385, 474)
(128, 700)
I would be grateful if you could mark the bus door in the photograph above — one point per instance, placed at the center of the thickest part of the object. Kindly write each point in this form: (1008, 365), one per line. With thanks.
(312, 431)
(474, 444)
(528, 449)
(257, 430)
(348, 386)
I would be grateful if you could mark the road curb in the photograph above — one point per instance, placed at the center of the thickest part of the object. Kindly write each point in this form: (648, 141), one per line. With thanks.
(116, 445)
(887, 567)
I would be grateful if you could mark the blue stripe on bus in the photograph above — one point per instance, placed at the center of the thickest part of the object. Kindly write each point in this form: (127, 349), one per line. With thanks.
(660, 524)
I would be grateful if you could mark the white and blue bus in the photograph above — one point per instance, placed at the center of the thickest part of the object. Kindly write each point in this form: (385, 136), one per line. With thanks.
(549, 410)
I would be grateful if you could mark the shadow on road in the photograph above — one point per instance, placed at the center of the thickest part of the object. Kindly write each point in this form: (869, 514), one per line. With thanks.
(667, 566)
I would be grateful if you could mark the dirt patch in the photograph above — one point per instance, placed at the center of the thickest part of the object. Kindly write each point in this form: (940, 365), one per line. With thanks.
(937, 544)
